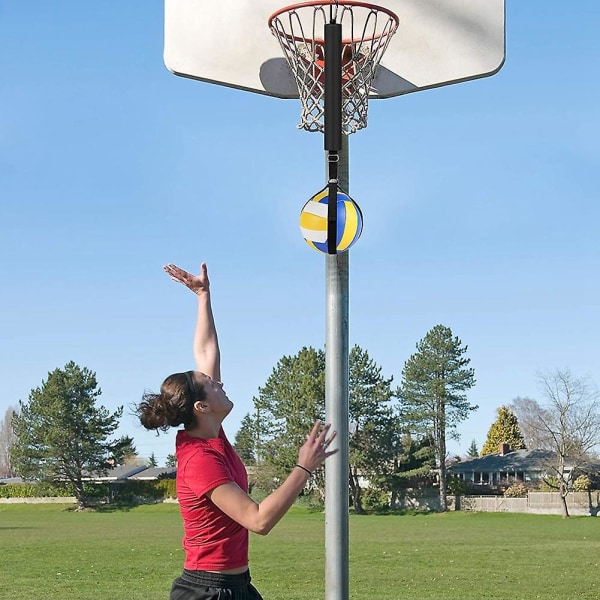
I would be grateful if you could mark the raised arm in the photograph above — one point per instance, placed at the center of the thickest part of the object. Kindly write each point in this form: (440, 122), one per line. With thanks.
(206, 342)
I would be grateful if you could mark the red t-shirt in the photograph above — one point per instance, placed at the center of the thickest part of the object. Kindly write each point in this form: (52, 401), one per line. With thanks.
(212, 541)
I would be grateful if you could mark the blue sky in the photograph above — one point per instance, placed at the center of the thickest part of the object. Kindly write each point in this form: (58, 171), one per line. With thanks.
(480, 203)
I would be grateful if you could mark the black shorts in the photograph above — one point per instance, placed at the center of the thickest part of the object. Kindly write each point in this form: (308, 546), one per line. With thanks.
(203, 585)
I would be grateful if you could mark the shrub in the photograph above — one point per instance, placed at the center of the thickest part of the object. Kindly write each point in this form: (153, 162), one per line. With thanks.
(35, 490)
(374, 499)
(457, 487)
(582, 484)
(167, 487)
(122, 492)
(550, 484)
(516, 490)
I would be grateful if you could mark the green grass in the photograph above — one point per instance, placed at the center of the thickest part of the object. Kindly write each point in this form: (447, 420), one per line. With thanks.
(47, 551)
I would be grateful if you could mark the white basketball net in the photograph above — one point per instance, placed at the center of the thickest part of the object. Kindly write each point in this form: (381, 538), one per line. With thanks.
(366, 33)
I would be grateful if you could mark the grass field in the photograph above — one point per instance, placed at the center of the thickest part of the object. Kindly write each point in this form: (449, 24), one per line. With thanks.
(47, 551)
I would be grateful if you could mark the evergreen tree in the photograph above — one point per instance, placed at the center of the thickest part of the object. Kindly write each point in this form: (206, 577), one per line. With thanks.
(127, 455)
(504, 430)
(289, 403)
(152, 462)
(62, 434)
(372, 441)
(473, 452)
(432, 396)
(246, 440)
(294, 397)
(414, 466)
(171, 461)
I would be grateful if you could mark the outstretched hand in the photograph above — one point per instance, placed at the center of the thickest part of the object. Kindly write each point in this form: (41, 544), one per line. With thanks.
(196, 283)
(315, 450)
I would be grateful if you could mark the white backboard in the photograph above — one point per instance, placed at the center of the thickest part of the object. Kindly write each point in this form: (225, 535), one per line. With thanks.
(438, 42)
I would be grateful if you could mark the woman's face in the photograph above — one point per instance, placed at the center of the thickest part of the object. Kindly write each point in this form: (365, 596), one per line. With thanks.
(216, 397)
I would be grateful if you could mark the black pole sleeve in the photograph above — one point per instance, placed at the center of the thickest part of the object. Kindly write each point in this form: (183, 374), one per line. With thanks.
(333, 123)
(332, 217)
(333, 86)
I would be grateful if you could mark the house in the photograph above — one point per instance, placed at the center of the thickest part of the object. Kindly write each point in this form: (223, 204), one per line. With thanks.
(504, 467)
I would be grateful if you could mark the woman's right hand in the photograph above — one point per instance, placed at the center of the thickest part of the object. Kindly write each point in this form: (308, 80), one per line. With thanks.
(196, 283)
(315, 450)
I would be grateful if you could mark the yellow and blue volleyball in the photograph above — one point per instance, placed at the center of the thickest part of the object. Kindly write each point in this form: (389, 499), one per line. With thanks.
(313, 221)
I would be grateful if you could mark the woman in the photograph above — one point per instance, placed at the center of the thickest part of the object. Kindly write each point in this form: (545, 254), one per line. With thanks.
(212, 483)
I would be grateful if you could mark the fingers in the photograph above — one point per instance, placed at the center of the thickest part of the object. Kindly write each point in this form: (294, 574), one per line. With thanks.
(316, 450)
(321, 439)
(330, 439)
(313, 434)
(176, 273)
(326, 441)
(323, 433)
(192, 282)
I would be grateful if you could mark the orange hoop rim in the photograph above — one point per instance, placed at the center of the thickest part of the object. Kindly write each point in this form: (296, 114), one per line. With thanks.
(319, 3)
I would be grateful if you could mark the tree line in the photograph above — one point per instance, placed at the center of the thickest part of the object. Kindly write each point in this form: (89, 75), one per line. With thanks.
(398, 433)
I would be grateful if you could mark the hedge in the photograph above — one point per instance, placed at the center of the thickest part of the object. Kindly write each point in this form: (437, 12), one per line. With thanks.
(126, 491)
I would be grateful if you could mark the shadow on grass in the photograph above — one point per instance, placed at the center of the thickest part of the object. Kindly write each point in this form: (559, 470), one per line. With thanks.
(103, 508)
(397, 512)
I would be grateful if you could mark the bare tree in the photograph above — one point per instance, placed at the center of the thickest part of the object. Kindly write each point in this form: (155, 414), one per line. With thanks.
(7, 439)
(528, 412)
(570, 424)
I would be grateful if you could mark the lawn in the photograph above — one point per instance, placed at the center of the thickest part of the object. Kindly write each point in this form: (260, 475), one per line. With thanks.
(51, 552)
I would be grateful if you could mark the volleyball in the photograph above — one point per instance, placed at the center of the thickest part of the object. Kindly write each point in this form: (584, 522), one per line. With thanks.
(313, 221)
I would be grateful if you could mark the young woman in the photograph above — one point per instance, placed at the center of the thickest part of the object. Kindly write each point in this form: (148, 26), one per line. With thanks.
(211, 480)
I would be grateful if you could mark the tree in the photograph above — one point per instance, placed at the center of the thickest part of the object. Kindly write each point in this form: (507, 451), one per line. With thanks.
(472, 451)
(152, 462)
(528, 412)
(127, 455)
(292, 398)
(414, 465)
(171, 461)
(373, 440)
(62, 435)
(504, 430)
(432, 397)
(246, 440)
(570, 424)
(7, 439)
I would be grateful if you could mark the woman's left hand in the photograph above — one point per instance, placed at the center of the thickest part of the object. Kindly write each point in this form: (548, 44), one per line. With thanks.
(316, 448)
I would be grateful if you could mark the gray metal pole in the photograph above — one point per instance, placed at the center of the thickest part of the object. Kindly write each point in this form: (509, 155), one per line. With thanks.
(336, 409)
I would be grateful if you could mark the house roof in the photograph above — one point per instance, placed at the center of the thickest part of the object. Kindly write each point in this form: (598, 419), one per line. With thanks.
(154, 473)
(118, 473)
(517, 460)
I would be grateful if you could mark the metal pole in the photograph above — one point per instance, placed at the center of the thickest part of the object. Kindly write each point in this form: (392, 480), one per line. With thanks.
(336, 409)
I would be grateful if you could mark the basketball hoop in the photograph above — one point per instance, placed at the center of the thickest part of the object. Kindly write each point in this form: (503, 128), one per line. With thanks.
(366, 32)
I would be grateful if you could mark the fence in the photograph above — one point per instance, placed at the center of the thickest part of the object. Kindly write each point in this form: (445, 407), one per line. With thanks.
(44, 500)
(542, 503)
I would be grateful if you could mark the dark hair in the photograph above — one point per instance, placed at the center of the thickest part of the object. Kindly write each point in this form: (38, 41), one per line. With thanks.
(173, 406)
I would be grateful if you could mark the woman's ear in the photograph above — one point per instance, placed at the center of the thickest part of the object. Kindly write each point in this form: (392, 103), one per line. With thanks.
(200, 406)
